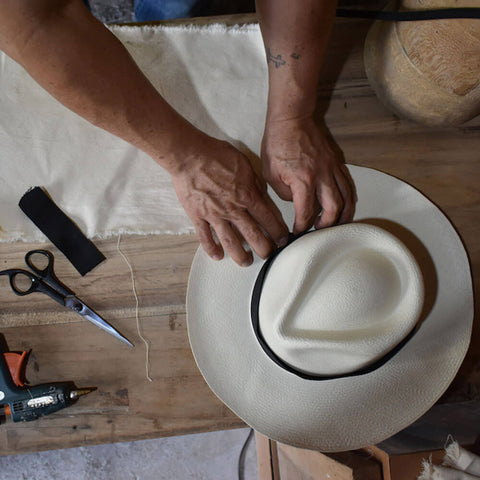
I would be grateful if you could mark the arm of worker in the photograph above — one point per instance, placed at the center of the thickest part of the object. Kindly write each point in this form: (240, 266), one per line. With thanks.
(75, 58)
(298, 159)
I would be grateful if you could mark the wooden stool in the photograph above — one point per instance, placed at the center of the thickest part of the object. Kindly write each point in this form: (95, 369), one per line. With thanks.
(277, 461)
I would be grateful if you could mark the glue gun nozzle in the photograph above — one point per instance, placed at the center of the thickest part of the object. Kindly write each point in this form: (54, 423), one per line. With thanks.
(74, 394)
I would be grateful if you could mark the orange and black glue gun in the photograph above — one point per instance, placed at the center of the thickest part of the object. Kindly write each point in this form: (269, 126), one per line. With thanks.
(25, 402)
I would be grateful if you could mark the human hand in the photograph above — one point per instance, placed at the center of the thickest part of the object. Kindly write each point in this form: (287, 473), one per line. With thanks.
(301, 165)
(220, 191)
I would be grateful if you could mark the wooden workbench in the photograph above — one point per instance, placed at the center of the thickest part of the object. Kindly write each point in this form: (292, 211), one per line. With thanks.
(443, 163)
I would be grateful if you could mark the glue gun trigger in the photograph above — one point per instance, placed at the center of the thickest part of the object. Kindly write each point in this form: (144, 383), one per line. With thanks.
(16, 363)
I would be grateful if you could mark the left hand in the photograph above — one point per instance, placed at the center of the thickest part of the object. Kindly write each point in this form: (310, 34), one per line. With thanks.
(301, 165)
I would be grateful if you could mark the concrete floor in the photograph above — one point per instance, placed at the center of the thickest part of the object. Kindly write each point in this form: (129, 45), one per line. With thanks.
(207, 456)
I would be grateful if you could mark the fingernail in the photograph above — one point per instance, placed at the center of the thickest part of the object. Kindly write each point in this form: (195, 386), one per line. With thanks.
(247, 263)
(217, 257)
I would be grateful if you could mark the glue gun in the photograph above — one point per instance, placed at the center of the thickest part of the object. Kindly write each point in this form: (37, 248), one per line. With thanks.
(24, 402)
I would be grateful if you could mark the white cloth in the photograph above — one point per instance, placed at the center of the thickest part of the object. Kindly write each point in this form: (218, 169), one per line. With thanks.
(216, 76)
(458, 464)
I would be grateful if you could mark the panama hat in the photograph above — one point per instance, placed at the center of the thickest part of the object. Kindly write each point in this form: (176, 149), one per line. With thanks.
(391, 300)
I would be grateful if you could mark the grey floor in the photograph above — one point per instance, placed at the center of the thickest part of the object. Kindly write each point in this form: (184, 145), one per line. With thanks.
(207, 456)
(204, 456)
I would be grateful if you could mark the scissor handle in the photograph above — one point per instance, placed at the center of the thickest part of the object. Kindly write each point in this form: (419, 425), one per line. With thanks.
(36, 285)
(41, 272)
(47, 273)
(13, 273)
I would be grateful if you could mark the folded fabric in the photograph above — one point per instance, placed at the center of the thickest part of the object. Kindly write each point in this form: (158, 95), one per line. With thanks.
(458, 464)
(461, 459)
(436, 472)
(216, 76)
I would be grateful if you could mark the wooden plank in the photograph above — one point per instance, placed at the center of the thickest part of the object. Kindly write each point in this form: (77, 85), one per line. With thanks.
(161, 264)
(267, 458)
(406, 466)
(126, 405)
(409, 467)
(300, 464)
(280, 461)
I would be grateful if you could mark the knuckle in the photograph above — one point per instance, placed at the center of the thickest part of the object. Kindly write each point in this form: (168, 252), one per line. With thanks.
(235, 215)
(229, 243)
(310, 177)
(245, 196)
(337, 203)
(339, 206)
(259, 243)
(307, 177)
(335, 211)
(252, 235)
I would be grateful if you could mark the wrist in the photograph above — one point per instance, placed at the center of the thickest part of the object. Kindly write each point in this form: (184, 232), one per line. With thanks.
(290, 100)
(279, 125)
(179, 148)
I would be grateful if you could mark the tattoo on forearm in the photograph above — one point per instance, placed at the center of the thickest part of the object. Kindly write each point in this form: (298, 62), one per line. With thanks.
(277, 60)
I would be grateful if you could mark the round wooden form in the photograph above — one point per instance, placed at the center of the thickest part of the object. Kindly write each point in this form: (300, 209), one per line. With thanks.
(427, 71)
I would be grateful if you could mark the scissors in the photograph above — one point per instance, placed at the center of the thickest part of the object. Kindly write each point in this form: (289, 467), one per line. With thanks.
(45, 281)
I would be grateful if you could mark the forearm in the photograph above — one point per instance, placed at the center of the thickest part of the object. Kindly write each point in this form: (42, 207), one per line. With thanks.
(86, 68)
(295, 35)
(77, 60)
(298, 160)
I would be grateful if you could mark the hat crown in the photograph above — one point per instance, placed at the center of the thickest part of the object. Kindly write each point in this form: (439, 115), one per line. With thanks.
(361, 277)
(337, 300)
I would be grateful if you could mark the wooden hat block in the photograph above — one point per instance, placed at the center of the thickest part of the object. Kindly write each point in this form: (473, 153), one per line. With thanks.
(427, 71)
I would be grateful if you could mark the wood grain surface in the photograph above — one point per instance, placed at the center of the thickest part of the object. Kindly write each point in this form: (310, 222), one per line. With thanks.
(126, 405)
(442, 163)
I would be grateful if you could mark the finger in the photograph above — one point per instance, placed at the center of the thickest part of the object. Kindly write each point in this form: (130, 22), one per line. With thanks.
(348, 176)
(304, 202)
(254, 236)
(332, 204)
(204, 234)
(348, 195)
(232, 243)
(268, 217)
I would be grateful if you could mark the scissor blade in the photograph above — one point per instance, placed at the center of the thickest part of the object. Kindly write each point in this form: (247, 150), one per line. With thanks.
(86, 312)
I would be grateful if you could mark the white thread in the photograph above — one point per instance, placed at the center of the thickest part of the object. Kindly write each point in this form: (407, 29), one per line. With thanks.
(147, 345)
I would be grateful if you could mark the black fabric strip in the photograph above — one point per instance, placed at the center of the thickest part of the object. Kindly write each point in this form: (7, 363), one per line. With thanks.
(254, 305)
(410, 15)
(60, 230)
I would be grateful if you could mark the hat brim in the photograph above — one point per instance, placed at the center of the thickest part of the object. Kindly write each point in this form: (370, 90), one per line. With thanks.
(352, 412)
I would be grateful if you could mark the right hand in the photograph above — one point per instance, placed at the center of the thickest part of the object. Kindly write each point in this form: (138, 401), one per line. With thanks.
(220, 191)
(301, 165)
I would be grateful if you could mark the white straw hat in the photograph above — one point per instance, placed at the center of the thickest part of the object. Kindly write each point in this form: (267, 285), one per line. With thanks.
(346, 336)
